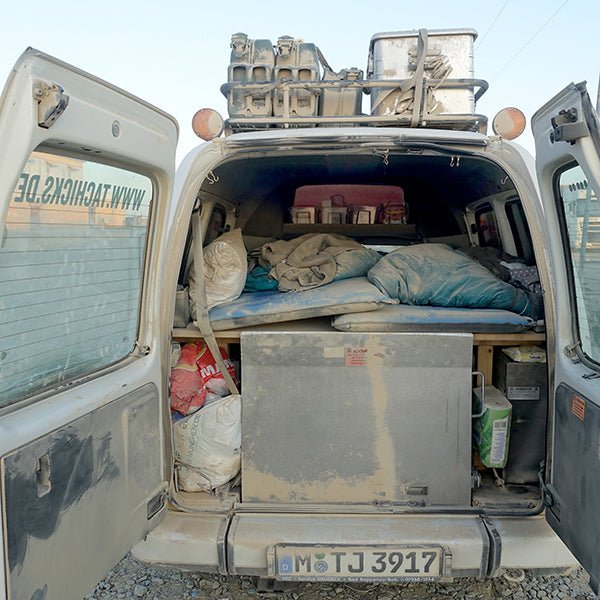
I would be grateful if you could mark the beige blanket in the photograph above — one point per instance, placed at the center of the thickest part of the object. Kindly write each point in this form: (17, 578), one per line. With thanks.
(307, 261)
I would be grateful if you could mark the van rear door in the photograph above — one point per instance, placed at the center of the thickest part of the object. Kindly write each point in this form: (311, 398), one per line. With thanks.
(85, 181)
(567, 140)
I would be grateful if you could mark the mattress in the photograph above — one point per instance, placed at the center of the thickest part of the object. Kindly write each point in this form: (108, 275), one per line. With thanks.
(403, 317)
(257, 308)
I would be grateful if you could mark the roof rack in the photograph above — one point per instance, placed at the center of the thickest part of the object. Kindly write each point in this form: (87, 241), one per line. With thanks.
(417, 115)
(291, 84)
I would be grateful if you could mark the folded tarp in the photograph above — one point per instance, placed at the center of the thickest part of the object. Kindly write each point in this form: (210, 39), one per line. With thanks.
(436, 275)
(434, 318)
(257, 308)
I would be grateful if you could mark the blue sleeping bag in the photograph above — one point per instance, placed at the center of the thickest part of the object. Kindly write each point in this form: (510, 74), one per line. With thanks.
(436, 275)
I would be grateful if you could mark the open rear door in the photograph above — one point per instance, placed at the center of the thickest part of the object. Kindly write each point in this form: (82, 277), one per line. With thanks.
(567, 139)
(85, 180)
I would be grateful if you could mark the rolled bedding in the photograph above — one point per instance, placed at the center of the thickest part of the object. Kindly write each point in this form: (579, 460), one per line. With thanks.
(436, 275)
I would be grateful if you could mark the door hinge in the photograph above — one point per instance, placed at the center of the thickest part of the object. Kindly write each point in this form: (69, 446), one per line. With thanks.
(547, 497)
(567, 128)
(52, 102)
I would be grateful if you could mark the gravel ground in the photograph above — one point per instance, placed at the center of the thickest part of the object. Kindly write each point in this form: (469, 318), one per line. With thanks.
(132, 580)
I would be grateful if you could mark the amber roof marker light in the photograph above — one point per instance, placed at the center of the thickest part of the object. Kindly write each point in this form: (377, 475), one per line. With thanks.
(207, 124)
(509, 123)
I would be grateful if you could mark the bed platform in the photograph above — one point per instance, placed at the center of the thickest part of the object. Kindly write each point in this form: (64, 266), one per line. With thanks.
(484, 343)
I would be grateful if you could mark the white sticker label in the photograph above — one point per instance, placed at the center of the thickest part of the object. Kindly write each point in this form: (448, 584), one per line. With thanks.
(523, 393)
(499, 434)
(334, 352)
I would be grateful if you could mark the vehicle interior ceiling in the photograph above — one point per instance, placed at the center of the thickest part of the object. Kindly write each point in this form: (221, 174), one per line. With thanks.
(437, 189)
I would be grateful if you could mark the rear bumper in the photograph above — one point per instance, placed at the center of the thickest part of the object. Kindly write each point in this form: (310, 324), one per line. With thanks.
(528, 543)
(251, 535)
(240, 545)
(191, 542)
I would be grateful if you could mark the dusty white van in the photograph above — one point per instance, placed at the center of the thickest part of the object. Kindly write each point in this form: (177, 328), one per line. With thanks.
(357, 460)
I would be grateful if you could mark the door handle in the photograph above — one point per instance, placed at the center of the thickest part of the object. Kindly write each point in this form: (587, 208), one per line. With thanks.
(44, 485)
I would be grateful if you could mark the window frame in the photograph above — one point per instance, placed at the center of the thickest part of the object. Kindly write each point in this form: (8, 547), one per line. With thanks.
(527, 254)
(589, 361)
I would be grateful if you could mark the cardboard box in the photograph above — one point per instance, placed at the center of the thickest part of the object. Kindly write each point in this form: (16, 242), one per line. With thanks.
(362, 214)
(334, 215)
(303, 214)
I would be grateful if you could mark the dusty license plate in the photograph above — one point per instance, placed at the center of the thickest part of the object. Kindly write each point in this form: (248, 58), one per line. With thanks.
(359, 563)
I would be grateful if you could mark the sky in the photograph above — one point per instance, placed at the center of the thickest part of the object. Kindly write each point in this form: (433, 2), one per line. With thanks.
(175, 54)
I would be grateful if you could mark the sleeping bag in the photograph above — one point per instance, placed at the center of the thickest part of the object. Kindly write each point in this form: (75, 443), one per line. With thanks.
(435, 274)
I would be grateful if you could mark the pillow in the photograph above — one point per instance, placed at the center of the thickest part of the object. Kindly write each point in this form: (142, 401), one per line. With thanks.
(355, 262)
(225, 269)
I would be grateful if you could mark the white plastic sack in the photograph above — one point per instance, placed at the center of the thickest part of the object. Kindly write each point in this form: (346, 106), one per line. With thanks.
(207, 445)
(225, 270)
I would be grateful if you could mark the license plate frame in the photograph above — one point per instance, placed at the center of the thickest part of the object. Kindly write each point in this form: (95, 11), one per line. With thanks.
(305, 562)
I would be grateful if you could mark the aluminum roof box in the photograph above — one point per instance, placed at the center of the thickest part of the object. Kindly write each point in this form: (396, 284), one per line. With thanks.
(436, 55)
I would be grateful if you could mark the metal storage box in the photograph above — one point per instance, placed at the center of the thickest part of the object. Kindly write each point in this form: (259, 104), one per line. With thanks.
(356, 418)
(524, 384)
(391, 55)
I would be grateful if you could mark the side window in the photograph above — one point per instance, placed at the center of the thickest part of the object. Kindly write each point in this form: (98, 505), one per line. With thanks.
(520, 230)
(487, 227)
(581, 213)
(216, 225)
(71, 268)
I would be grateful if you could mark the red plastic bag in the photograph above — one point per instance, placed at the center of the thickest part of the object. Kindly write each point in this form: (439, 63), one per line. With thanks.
(210, 374)
(195, 376)
(188, 392)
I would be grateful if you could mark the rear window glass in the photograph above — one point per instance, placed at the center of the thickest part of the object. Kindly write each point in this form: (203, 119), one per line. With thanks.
(71, 268)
